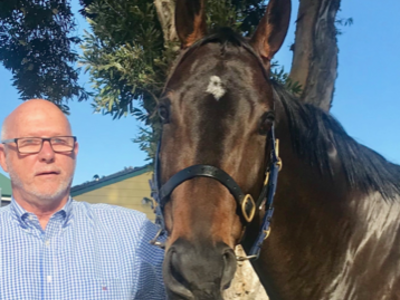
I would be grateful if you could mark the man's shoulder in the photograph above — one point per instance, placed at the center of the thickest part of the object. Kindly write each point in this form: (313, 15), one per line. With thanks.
(4, 210)
(108, 211)
(118, 217)
(128, 224)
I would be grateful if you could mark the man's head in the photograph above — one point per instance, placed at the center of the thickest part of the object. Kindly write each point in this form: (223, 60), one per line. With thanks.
(45, 177)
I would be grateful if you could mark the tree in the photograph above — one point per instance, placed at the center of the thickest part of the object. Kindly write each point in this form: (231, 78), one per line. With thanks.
(36, 46)
(132, 45)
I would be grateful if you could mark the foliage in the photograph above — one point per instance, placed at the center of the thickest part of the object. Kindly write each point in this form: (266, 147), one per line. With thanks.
(37, 47)
(343, 23)
(128, 59)
(125, 56)
(279, 75)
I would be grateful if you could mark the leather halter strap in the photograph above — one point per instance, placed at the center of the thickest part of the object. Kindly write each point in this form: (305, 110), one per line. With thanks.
(245, 204)
(200, 171)
(213, 173)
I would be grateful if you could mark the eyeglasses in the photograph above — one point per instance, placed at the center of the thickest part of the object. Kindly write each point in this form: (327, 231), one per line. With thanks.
(33, 145)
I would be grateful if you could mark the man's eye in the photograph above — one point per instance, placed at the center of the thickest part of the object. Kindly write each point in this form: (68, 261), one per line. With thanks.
(59, 141)
(26, 142)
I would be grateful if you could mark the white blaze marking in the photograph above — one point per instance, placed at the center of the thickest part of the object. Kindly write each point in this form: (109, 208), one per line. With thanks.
(216, 88)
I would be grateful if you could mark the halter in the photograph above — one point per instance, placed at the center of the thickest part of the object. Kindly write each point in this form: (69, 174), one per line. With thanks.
(246, 206)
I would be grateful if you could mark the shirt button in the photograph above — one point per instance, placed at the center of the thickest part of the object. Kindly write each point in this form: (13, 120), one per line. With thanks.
(30, 218)
(49, 279)
(47, 243)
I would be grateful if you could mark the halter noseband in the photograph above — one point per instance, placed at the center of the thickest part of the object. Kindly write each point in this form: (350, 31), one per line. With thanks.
(246, 206)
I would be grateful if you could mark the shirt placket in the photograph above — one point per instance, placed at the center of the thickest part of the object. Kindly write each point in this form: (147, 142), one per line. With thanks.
(48, 264)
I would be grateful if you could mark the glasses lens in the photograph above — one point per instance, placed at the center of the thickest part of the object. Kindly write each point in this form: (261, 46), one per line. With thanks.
(29, 145)
(63, 143)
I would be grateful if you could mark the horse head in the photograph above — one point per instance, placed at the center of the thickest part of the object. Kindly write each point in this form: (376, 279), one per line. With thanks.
(217, 110)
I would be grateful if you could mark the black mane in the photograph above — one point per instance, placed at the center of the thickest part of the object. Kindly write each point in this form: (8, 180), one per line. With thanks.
(314, 132)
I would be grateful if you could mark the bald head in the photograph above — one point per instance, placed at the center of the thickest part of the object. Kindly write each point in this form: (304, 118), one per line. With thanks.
(40, 180)
(33, 115)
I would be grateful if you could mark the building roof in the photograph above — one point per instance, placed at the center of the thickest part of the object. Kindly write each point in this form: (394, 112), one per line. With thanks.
(107, 180)
(5, 185)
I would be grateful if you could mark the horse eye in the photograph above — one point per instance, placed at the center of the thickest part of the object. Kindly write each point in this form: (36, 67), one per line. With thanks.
(267, 120)
(163, 112)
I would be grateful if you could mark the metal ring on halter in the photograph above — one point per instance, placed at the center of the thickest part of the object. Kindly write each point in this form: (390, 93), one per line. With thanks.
(266, 179)
(244, 258)
(279, 164)
(157, 243)
(248, 199)
(267, 233)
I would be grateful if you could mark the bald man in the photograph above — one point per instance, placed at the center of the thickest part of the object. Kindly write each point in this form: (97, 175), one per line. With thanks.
(53, 247)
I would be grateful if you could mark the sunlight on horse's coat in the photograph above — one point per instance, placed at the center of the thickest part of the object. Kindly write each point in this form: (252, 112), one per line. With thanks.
(378, 220)
(216, 88)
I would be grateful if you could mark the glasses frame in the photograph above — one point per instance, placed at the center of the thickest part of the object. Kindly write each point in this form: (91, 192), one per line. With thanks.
(41, 146)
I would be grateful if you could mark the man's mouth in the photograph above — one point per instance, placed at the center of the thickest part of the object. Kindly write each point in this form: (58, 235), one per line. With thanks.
(47, 173)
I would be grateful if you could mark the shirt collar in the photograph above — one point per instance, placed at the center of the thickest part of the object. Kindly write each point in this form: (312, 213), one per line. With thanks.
(20, 214)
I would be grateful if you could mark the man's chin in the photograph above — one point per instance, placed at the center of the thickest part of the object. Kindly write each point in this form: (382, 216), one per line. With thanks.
(50, 194)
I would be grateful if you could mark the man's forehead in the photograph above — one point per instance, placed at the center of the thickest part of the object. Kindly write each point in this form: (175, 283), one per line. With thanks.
(37, 126)
(36, 120)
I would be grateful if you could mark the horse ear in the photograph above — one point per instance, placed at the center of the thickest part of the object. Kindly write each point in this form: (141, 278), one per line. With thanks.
(190, 21)
(271, 31)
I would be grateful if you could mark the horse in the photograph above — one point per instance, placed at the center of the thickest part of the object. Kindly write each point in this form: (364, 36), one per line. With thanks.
(336, 211)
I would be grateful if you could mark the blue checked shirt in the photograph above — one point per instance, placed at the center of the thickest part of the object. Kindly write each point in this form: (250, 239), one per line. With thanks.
(88, 251)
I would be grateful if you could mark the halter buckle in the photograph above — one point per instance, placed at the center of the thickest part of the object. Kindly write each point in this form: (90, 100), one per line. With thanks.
(248, 199)
(279, 163)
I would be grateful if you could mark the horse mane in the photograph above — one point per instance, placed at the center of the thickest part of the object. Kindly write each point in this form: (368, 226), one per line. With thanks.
(314, 132)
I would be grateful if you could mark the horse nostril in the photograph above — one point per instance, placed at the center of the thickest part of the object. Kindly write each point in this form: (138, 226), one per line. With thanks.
(229, 267)
(198, 271)
(177, 286)
(175, 269)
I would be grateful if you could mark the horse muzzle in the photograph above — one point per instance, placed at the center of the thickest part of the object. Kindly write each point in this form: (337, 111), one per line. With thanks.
(198, 271)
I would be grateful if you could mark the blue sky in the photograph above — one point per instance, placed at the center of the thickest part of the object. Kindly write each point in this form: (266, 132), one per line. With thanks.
(366, 100)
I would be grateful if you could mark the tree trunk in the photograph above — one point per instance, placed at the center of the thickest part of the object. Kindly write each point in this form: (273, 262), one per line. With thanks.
(166, 16)
(314, 63)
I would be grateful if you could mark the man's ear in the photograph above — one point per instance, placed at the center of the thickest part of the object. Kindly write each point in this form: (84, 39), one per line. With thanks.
(76, 149)
(3, 158)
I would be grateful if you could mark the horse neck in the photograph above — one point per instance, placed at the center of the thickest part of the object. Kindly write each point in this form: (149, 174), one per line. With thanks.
(323, 232)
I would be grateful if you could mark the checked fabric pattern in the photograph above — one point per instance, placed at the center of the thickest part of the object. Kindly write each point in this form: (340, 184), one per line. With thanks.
(88, 251)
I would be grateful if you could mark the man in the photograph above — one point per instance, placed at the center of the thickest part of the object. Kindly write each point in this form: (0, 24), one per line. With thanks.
(52, 247)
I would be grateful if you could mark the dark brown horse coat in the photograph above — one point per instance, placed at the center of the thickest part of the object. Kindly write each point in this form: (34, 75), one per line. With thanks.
(335, 230)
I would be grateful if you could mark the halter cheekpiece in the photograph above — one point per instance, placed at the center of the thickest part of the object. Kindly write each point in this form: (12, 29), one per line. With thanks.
(246, 206)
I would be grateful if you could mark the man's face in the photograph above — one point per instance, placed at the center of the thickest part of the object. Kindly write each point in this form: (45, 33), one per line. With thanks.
(46, 175)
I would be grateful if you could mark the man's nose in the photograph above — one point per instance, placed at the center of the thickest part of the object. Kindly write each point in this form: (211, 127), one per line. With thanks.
(46, 153)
